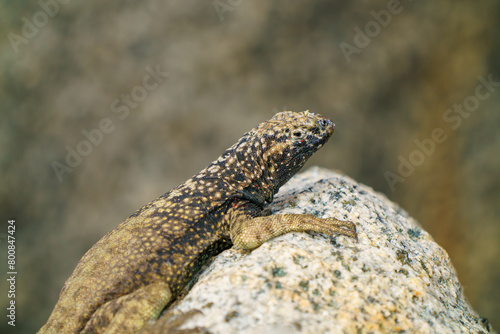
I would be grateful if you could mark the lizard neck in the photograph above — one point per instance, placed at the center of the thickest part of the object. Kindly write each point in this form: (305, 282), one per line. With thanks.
(244, 172)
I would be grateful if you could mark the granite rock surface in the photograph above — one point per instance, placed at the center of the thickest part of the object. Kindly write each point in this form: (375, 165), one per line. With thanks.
(394, 279)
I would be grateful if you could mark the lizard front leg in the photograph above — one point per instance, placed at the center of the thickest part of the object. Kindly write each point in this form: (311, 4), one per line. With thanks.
(249, 233)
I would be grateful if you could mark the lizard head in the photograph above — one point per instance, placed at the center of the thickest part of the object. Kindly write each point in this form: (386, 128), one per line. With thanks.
(267, 156)
(288, 140)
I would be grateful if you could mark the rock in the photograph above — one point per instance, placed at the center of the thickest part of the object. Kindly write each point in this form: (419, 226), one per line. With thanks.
(395, 279)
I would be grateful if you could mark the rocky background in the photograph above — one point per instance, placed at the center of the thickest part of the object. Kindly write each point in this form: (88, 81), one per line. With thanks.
(106, 105)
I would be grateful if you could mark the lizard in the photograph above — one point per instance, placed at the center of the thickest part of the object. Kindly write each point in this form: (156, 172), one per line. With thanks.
(138, 269)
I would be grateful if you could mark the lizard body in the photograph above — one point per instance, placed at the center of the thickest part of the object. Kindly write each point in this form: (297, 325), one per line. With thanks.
(138, 269)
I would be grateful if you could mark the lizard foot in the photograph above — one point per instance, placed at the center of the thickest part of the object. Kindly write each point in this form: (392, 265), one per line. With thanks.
(343, 227)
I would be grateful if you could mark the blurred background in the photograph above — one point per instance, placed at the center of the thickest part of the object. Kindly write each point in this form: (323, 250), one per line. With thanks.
(106, 105)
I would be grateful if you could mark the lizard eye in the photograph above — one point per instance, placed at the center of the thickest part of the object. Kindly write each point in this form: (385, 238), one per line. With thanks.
(297, 134)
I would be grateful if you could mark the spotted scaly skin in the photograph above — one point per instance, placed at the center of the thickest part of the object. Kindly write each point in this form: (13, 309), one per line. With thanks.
(136, 270)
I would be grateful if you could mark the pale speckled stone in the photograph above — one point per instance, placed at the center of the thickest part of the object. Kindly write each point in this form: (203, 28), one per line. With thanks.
(395, 279)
